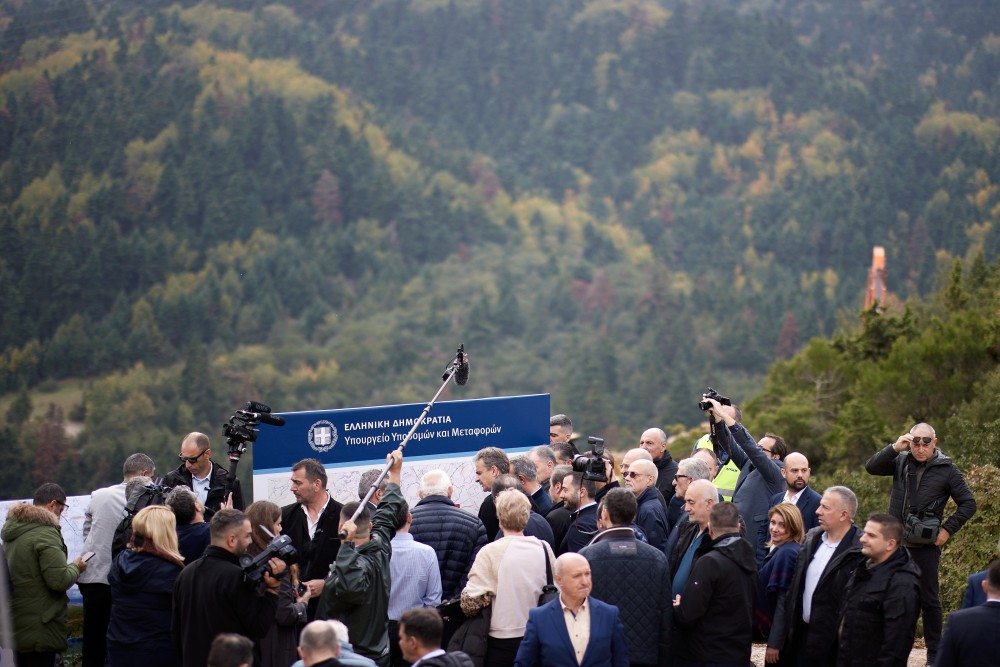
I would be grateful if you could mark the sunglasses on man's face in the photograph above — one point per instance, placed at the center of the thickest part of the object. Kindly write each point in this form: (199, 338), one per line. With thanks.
(925, 439)
(191, 459)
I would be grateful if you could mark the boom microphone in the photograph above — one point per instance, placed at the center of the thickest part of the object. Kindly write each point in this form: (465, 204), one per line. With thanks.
(462, 374)
(268, 418)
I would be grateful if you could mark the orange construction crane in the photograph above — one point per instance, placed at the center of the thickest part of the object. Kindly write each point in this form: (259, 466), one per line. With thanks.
(876, 291)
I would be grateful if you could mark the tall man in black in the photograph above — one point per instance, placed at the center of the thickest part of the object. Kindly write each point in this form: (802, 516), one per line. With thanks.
(971, 639)
(312, 522)
(578, 494)
(212, 597)
(201, 475)
(923, 478)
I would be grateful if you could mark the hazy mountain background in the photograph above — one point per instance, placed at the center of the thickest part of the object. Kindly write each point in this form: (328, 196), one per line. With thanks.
(312, 203)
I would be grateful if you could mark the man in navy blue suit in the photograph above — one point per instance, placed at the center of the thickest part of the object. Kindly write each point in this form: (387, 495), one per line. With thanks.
(574, 630)
(798, 492)
(972, 638)
(975, 592)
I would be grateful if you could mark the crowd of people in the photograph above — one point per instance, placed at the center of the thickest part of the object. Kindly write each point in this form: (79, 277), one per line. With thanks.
(571, 560)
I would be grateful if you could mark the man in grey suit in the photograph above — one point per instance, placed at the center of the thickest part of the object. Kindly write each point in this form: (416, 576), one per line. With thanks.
(103, 515)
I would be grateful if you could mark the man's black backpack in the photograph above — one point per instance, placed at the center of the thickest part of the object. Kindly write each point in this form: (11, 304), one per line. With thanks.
(153, 494)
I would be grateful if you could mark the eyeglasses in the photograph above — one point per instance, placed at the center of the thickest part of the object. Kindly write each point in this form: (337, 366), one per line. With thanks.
(767, 451)
(678, 476)
(65, 506)
(191, 459)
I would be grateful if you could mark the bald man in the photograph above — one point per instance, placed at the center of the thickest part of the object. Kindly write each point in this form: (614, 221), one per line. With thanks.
(650, 516)
(634, 455)
(654, 441)
(575, 629)
(797, 490)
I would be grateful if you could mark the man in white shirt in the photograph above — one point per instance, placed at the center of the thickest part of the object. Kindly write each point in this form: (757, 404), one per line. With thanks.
(797, 490)
(828, 557)
(201, 475)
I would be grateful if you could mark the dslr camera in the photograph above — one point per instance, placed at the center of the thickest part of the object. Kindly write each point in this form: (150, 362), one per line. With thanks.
(711, 393)
(592, 464)
(254, 567)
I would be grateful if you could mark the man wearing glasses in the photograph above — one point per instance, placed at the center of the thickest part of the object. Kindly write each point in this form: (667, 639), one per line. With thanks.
(201, 475)
(923, 478)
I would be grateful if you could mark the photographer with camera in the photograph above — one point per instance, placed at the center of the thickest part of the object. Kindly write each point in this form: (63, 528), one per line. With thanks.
(199, 473)
(213, 595)
(923, 478)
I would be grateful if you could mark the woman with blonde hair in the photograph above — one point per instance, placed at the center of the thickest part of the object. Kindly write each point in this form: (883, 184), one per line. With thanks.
(509, 575)
(277, 647)
(775, 576)
(142, 591)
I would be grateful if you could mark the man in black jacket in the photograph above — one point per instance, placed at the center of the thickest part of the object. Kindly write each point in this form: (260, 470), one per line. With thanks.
(456, 535)
(635, 578)
(312, 523)
(923, 479)
(357, 590)
(420, 640)
(829, 555)
(211, 596)
(201, 475)
(716, 608)
(654, 441)
(879, 613)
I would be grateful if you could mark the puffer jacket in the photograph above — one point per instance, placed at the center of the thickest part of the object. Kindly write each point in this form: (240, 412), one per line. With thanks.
(635, 577)
(36, 557)
(879, 614)
(142, 595)
(941, 480)
(455, 535)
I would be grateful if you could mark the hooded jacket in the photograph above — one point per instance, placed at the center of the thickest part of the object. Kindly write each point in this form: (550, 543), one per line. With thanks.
(142, 594)
(40, 575)
(879, 614)
(716, 609)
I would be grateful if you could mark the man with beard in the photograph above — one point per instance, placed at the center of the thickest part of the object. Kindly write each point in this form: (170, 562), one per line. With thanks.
(211, 595)
(798, 492)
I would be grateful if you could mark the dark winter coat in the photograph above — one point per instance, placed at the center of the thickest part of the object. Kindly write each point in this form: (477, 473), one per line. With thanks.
(821, 642)
(210, 597)
(666, 468)
(192, 540)
(216, 487)
(878, 617)
(941, 480)
(142, 594)
(634, 577)
(357, 590)
(455, 535)
(581, 530)
(40, 576)
(449, 659)
(652, 519)
(559, 518)
(716, 609)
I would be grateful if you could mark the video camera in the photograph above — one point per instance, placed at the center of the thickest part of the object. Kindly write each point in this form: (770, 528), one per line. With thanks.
(242, 427)
(592, 464)
(254, 567)
(711, 393)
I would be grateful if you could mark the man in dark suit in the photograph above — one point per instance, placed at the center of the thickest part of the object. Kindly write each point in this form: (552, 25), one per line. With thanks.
(313, 525)
(972, 638)
(574, 630)
(975, 591)
(798, 492)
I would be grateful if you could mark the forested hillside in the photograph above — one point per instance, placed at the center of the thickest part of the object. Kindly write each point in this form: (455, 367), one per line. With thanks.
(311, 204)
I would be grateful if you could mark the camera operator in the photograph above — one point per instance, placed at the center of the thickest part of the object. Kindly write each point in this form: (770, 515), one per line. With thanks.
(201, 475)
(923, 478)
(211, 595)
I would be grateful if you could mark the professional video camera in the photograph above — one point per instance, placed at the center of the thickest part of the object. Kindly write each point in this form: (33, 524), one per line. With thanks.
(281, 547)
(242, 426)
(592, 464)
(711, 393)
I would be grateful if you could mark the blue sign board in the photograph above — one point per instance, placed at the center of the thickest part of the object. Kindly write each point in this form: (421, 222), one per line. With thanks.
(360, 436)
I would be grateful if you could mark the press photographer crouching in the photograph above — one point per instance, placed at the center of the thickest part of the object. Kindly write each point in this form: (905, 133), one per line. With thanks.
(923, 478)
(213, 595)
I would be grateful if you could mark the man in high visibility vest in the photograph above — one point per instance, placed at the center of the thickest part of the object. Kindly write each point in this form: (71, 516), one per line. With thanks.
(729, 472)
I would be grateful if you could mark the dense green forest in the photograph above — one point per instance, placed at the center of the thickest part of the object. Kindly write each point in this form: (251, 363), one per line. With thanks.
(311, 204)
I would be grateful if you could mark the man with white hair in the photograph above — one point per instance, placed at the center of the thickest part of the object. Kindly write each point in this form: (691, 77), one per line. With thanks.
(650, 515)
(455, 536)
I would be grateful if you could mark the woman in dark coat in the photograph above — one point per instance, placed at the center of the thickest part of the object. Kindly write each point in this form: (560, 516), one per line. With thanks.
(775, 577)
(277, 648)
(142, 590)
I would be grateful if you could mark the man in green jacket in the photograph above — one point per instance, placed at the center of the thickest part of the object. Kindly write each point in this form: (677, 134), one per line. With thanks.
(357, 590)
(36, 557)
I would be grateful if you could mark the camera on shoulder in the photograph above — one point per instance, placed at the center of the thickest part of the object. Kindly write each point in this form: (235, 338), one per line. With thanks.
(254, 567)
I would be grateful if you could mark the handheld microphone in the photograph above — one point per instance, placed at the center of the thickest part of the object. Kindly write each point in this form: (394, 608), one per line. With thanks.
(462, 374)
